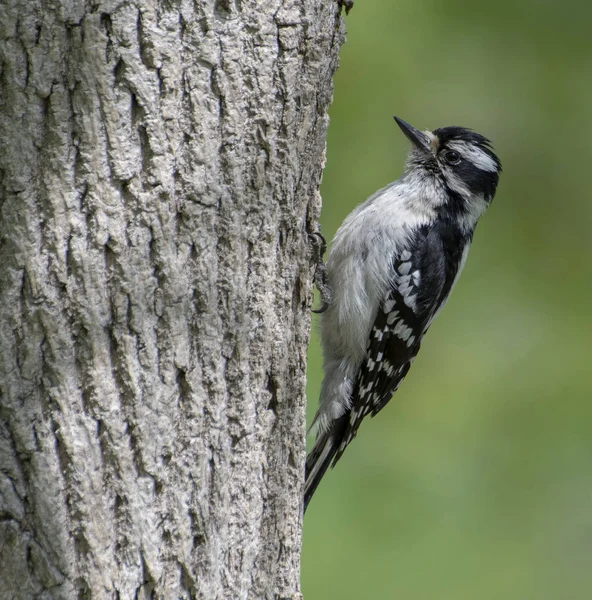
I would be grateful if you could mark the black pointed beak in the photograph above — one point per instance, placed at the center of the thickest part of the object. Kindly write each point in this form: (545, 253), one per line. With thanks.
(419, 139)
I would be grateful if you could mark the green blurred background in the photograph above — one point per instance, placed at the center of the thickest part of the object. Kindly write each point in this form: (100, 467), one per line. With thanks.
(476, 480)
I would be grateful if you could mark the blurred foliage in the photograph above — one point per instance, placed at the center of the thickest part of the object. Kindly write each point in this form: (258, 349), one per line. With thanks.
(476, 480)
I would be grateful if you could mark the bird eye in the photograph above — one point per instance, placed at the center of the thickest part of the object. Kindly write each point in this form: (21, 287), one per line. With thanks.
(452, 157)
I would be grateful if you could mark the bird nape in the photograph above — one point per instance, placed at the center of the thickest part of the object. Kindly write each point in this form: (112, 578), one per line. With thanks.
(391, 268)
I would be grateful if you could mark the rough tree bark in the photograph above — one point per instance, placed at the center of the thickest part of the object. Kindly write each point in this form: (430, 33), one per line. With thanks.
(159, 172)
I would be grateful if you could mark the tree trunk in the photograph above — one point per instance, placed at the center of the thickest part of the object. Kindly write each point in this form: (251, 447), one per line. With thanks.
(159, 172)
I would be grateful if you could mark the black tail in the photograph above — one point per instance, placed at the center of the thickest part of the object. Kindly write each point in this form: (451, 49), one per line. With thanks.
(320, 457)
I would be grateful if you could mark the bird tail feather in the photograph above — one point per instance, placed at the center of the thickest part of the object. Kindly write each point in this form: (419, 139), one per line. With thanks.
(317, 463)
(319, 458)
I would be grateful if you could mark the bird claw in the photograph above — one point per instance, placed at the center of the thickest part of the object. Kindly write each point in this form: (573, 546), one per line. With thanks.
(319, 244)
(346, 4)
(318, 311)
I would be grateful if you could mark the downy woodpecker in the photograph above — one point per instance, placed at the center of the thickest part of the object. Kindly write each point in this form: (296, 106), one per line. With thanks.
(391, 268)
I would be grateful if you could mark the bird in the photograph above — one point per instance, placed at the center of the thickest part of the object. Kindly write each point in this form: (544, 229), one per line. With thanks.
(391, 268)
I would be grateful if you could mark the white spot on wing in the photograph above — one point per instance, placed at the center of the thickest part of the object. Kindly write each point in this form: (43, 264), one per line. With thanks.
(411, 301)
(399, 330)
(404, 268)
(392, 317)
(365, 390)
(402, 331)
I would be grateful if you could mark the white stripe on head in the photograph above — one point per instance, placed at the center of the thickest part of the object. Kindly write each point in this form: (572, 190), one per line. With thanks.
(474, 204)
(455, 183)
(474, 154)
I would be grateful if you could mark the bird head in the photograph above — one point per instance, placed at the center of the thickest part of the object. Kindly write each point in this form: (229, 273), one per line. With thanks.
(457, 165)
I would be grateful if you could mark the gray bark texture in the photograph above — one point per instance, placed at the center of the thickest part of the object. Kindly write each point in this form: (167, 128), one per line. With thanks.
(159, 171)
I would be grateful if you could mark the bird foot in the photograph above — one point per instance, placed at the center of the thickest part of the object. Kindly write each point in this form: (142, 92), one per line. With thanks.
(346, 4)
(319, 244)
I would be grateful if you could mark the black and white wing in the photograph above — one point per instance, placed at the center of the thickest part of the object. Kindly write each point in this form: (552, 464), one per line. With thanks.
(423, 277)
